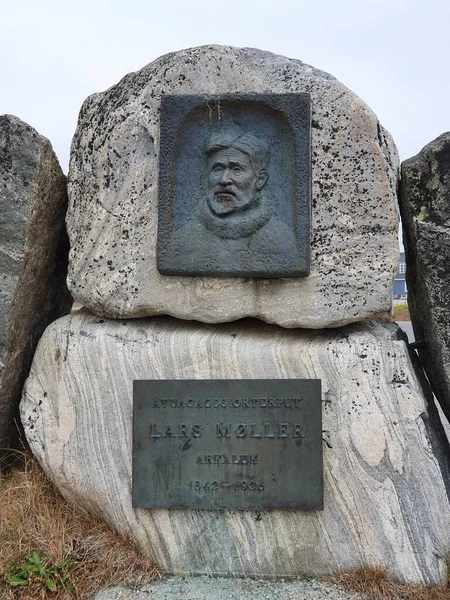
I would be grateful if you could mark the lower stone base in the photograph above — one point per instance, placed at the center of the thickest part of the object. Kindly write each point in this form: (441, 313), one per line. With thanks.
(218, 588)
(385, 499)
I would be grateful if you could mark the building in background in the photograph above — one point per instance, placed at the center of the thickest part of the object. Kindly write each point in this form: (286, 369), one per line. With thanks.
(400, 290)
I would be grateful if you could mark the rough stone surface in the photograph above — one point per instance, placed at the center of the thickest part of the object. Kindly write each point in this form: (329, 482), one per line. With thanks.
(199, 588)
(425, 209)
(33, 257)
(384, 454)
(112, 217)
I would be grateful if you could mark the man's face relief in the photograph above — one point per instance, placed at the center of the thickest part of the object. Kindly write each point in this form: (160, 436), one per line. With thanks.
(232, 182)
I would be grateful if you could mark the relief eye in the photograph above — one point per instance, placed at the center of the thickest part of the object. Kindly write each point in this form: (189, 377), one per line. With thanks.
(237, 169)
(217, 169)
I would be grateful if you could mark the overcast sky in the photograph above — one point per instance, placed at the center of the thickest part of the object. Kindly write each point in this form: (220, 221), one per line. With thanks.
(393, 53)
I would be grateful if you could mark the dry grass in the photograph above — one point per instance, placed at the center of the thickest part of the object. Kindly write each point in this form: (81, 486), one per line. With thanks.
(375, 584)
(33, 516)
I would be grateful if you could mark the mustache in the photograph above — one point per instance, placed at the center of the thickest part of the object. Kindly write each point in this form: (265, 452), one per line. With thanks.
(224, 190)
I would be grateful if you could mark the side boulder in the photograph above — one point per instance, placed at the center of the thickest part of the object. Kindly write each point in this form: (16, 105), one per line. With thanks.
(33, 258)
(425, 210)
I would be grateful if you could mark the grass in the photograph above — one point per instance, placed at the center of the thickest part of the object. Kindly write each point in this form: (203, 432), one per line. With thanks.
(375, 584)
(401, 312)
(50, 550)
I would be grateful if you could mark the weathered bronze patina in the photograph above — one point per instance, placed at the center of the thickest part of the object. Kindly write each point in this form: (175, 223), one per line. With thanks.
(228, 444)
(234, 185)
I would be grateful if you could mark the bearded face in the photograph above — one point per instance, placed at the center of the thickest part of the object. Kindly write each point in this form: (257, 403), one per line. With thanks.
(232, 182)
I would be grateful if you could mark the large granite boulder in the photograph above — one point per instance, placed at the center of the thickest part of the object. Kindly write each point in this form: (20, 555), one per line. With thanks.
(33, 257)
(113, 188)
(385, 473)
(425, 210)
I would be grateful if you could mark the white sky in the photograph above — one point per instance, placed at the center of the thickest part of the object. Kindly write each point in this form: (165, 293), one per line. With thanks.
(393, 53)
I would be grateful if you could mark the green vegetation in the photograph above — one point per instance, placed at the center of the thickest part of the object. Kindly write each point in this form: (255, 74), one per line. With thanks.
(36, 572)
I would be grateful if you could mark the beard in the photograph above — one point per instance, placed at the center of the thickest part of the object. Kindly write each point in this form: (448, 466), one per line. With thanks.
(225, 202)
(222, 203)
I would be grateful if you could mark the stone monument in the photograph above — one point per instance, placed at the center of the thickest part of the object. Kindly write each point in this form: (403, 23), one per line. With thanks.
(33, 259)
(113, 189)
(166, 220)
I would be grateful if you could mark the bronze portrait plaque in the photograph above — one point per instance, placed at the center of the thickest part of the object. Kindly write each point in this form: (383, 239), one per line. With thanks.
(234, 186)
(227, 444)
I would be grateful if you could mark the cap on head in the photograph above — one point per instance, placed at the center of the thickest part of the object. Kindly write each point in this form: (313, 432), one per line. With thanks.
(248, 143)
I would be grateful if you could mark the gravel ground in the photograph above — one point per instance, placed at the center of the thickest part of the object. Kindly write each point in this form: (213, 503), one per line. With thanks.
(207, 588)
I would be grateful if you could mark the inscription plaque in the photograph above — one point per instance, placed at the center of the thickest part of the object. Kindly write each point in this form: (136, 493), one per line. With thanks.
(234, 185)
(227, 444)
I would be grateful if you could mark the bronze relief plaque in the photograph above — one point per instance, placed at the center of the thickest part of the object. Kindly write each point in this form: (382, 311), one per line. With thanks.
(234, 185)
(227, 444)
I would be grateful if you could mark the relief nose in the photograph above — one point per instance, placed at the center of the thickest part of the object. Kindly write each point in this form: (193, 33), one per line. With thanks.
(225, 176)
